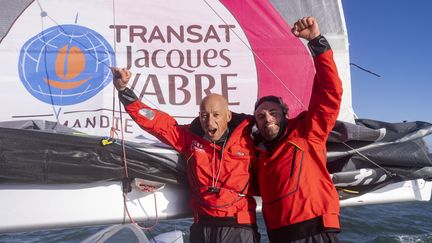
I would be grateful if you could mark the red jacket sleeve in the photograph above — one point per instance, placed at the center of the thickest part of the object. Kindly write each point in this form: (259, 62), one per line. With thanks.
(156, 122)
(326, 95)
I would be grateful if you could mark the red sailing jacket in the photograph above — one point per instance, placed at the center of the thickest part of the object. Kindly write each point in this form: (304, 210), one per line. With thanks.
(293, 179)
(204, 158)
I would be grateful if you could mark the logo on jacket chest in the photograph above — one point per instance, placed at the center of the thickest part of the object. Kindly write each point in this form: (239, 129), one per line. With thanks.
(196, 146)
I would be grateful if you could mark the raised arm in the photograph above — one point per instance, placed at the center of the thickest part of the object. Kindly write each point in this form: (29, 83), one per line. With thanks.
(327, 88)
(156, 122)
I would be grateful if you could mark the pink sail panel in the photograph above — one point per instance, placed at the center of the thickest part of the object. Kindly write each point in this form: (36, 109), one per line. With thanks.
(283, 63)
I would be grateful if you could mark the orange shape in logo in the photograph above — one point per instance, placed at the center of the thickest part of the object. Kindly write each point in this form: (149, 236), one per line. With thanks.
(69, 64)
(65, 85)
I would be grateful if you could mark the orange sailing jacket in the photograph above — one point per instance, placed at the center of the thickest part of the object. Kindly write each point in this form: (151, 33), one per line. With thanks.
(293, 179)
(233, 160)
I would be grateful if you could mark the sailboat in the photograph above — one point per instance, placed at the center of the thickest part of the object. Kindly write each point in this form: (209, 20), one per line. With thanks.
(70, 156)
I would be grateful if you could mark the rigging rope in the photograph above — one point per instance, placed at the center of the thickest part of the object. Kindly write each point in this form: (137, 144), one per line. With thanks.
(43, 14)
(124, 157)
(126, 187)
(363, 69)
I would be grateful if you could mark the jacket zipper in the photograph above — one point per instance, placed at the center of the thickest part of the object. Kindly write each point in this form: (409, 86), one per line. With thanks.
(293, 162)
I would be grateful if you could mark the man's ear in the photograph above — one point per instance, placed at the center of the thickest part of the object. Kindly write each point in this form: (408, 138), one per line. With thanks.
(229, 116)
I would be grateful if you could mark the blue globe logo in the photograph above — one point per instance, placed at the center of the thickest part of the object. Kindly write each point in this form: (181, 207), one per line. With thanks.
(66, 64)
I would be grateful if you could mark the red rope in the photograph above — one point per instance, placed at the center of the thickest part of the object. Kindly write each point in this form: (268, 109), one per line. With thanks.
(126, 172)
(133, 221)
(112, 133)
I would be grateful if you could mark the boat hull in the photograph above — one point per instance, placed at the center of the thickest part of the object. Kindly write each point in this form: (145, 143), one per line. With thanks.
(28, 207)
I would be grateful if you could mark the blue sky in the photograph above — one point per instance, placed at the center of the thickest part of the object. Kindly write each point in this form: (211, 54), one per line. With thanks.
(393, 39)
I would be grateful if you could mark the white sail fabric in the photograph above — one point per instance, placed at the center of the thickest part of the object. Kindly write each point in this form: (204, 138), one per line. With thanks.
(331, 19)
(164, 43)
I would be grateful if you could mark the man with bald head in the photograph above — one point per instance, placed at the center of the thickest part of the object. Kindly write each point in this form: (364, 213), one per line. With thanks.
(214, 116)
(220, 157)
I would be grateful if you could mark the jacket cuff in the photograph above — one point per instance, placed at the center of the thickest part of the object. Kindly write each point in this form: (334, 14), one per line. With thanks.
(318, 45)
(127, 96)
